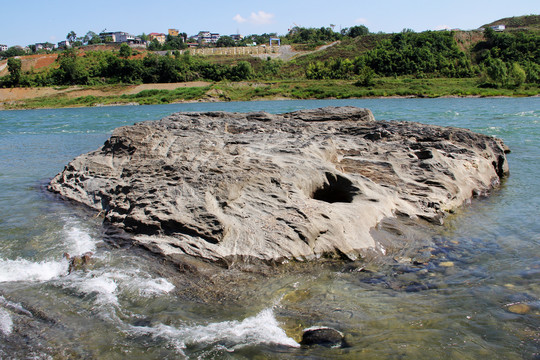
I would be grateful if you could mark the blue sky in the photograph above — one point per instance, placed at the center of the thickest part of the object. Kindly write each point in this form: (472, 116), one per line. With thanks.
(26, 22)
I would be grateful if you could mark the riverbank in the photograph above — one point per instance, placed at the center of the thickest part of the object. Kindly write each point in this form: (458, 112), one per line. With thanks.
(152, 94)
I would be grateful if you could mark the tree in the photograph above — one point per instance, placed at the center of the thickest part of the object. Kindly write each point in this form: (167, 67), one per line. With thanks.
(14, 51)
(356, 31)
(225, 41)
(271, 67)
(71, 71)
(108, 39)
(143, 37)
(71, 36)
(301, 35)
(14, 68)
(125, 51)
(532, 70)
(497, 71)
(92, 38)
(154, 45)
(173, 43)
(242, 71)
(516, 75)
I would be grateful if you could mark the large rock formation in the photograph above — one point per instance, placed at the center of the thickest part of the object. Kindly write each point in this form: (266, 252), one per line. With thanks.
(228, 186)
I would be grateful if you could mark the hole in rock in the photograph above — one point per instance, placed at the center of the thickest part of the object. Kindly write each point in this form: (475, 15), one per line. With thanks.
(336, 189)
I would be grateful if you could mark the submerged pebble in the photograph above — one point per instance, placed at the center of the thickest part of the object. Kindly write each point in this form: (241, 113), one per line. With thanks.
(446, 264)
(520, 309)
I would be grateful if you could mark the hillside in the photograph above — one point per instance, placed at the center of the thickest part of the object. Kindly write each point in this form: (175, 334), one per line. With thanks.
(426, 64)
(31, 63)
(526, 22)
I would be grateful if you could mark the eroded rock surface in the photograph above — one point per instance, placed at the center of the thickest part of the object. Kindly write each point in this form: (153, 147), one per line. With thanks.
(225, 186)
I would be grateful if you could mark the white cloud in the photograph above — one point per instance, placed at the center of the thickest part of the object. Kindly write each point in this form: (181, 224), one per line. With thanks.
(239, 19)
(361, 21)
(261, 18)
(256, 18)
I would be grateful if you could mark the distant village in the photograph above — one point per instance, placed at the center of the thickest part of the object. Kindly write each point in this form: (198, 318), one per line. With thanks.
(203, 38)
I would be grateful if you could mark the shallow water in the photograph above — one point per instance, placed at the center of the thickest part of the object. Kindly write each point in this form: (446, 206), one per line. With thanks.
(450, 296)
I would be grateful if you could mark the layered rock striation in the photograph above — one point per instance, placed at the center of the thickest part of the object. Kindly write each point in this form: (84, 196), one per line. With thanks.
(225, 186)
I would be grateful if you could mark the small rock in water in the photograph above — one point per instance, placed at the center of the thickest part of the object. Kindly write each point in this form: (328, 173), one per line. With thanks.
(78, 262)
(447, 264)
(416, 287)
(519, 309)
(324, 336)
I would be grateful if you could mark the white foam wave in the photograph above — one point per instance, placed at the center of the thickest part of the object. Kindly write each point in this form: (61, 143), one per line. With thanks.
(452, 113)
(150, 287)
(6, 323)
(77, 240)
(25, 270)
(103, 286)
(107, 285)
(532, 113)
(260, 329)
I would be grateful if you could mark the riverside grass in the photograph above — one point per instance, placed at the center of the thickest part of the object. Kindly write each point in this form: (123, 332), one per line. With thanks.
(284, 89)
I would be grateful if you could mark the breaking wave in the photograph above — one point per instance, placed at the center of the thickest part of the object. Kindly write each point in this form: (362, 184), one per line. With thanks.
(107, 285)
(77, 240)
(25, 270)
(260, 329)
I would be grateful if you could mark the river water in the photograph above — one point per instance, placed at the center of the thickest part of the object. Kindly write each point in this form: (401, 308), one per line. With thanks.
(470, 290)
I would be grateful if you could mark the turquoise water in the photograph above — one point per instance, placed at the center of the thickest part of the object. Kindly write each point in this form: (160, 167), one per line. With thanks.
(485, 260)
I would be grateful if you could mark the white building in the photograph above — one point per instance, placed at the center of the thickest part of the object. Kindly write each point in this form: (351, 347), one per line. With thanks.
(44, 46)
(206, 37)
(499, 27)
(121, 37)
(64, 44)
(3, 47)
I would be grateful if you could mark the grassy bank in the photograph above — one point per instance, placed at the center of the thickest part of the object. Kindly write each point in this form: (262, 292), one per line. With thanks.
(383, 87)
(285, 89)
(145, 97)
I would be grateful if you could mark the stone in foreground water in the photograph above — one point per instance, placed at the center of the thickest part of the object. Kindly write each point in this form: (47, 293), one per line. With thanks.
(324, 336)
(519, 309)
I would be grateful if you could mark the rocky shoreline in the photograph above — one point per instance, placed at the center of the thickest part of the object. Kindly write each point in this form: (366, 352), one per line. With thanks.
(231, 187)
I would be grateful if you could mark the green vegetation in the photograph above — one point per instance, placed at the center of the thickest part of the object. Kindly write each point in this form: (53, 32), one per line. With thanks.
(14, 67)
(508, 59)
(290, 89)
(105, 67)
(529, 22)
(505, 60)
(381, 87)
(300, 35)
(171, 43)
(360, 64)
(427, 54)
(145, 97)
(12, 52)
